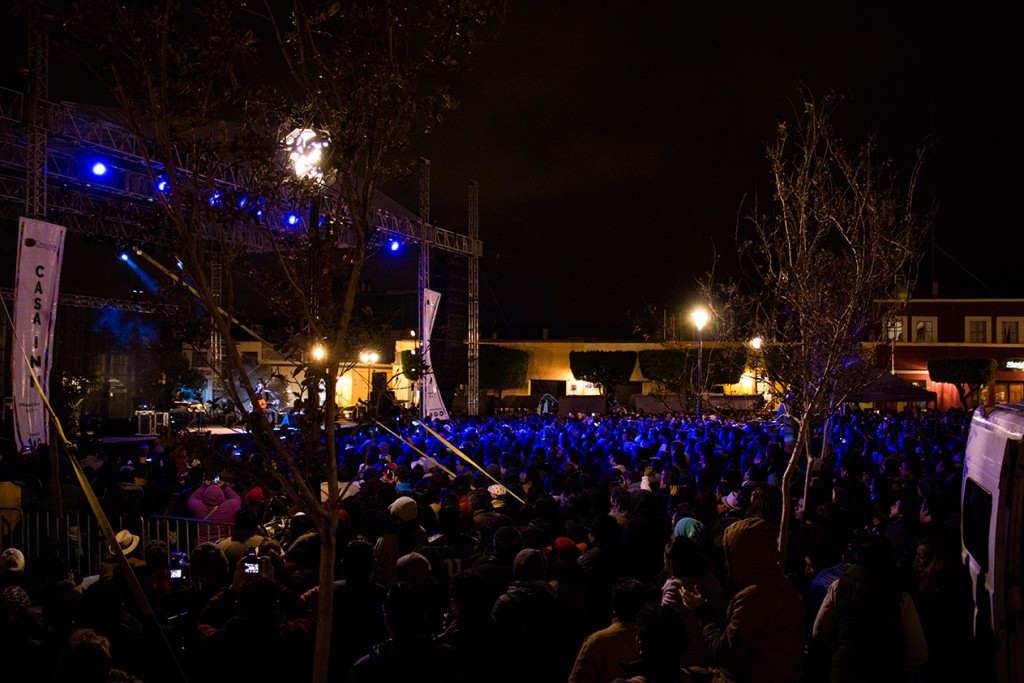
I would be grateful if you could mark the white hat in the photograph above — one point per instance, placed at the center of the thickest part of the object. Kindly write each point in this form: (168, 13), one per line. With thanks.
(404, 508)
(127, 540)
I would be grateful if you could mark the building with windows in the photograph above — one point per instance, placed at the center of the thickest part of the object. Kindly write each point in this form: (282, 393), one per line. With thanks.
(931, 329)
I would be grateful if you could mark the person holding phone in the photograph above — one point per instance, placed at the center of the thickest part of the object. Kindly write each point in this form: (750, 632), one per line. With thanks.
(257, 627)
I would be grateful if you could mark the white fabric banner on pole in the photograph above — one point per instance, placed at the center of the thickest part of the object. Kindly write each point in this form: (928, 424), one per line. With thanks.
(432, 403)
(40, 252)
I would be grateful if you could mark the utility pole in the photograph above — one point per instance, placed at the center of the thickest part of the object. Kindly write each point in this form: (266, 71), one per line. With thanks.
(473, 322)
(423, 280)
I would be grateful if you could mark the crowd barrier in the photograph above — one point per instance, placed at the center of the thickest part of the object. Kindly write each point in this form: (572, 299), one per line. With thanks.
(76, 537)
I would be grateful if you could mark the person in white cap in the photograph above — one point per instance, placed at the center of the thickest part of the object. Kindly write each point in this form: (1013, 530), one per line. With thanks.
(402, 535)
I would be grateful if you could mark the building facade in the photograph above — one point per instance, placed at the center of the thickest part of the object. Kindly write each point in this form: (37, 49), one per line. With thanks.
(931, 329)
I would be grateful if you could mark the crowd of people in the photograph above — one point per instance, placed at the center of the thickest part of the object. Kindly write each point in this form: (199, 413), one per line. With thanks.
(586, 549)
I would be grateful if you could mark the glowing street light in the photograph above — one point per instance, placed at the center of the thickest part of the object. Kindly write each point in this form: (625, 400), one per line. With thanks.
(318, 352)
(700, 319)
(305, 151)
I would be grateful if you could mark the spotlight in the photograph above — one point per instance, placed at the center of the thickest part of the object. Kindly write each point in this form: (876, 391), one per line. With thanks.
(214, 199)
(291, 219)
(394, 246)
(123, 256)
(99, 169)
(179, 264)
(163, 185)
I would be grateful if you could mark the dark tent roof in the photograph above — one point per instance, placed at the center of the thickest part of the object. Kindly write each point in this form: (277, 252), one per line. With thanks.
(888, 387)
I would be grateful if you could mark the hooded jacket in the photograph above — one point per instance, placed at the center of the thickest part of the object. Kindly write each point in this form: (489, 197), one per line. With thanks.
(215, 503)
(763, 637)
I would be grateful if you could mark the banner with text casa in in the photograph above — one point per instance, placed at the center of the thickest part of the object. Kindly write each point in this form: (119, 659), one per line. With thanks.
(40, 252)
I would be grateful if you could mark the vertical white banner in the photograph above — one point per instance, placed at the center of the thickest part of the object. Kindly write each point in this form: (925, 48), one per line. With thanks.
(432, 403)
(40, 252)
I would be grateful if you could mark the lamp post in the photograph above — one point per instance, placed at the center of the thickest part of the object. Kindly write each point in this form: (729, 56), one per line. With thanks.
(369, 358)
(756, 343)
(700, 319)
(318, 354)
(305, 151)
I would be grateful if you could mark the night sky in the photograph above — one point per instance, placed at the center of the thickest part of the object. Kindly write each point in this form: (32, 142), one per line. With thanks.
(615, 143)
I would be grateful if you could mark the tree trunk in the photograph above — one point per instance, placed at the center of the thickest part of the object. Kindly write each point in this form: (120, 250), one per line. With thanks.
(810, 461)
(325, 598)
(792, 467)
(328, 538)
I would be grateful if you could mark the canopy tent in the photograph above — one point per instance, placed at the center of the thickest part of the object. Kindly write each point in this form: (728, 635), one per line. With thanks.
(888, 388)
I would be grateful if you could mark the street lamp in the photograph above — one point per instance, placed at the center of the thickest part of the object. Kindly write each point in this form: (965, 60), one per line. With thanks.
(700, 319)
(368, 358)
(756, 343)
(305, 149)
(305, 152)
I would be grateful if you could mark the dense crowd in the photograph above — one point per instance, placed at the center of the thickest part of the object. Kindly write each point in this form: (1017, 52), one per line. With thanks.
(582, 549)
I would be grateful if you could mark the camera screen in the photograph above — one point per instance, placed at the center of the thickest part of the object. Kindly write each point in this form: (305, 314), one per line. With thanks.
(175, 573)
(252, 567)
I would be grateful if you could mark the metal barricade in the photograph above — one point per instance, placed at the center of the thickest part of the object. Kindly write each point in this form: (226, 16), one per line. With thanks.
(74, 536)
(183, 534)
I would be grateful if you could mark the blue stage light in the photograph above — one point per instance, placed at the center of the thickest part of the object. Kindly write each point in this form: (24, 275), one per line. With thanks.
(291, 219)
(162, 185)
(214, 199)
(394, 246)
(123, 256)
(99, 169)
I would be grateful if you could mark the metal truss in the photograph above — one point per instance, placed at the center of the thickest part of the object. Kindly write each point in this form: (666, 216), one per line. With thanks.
(82, 301)
(41, 173)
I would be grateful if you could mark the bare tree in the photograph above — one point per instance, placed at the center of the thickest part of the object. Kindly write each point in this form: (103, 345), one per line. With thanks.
(218, 92)
(822, 265)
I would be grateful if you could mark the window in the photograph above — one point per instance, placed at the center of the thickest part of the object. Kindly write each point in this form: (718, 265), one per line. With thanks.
(894, 330)
(977, 515)
(924, 330)
(976, 330)
(1008, 330)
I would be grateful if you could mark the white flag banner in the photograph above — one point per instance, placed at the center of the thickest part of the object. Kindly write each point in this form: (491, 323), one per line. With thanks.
(433, 405)
(40, 252)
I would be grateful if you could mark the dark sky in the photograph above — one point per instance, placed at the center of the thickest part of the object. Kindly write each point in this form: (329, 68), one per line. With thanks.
(615, 142)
